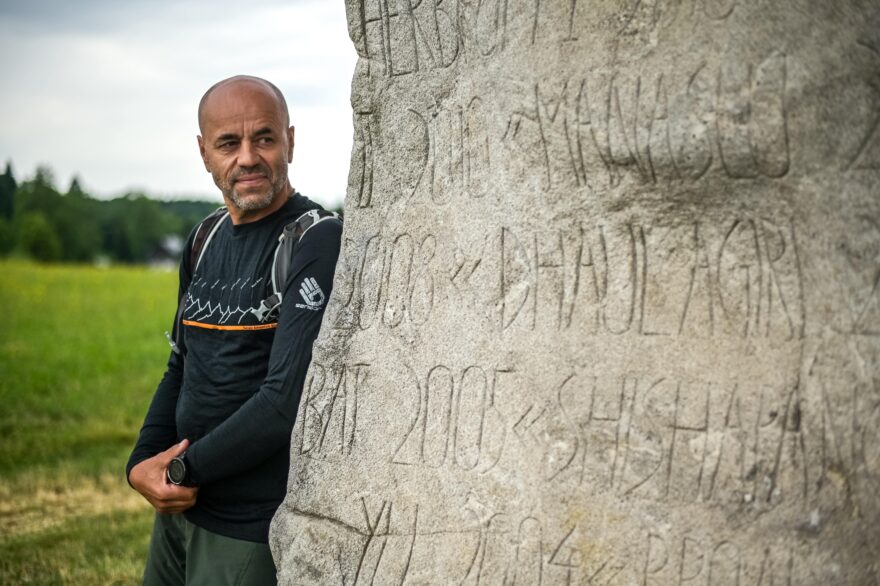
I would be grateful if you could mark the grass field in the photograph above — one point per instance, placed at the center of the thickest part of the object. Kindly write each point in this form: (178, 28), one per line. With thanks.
(81, 350)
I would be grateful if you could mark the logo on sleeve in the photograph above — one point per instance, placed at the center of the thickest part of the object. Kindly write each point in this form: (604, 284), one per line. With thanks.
(312, 295)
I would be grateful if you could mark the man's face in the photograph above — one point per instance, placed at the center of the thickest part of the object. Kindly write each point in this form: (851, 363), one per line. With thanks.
(246, 145)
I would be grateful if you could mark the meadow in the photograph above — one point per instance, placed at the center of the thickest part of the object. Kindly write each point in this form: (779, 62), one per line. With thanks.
(81, 351)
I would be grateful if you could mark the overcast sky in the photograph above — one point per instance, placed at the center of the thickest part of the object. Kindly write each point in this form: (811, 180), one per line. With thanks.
(108, 89)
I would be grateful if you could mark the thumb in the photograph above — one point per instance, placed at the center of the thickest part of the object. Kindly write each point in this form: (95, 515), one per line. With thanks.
(175, 450)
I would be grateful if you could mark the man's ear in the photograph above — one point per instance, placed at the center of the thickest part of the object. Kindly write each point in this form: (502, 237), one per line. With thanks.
(202, 152)
(290, 134)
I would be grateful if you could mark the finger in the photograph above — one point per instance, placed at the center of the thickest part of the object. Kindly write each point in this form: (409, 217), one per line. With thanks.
(173, 498)
(170, 492)
(175, 450)
(168, 505)
(175, 503)
(177, 492)
(175, 508)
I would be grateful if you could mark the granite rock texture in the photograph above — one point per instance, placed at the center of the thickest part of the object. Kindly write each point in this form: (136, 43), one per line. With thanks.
(608, 310)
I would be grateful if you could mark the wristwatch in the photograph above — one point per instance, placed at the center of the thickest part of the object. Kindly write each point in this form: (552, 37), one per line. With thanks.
(177, 471)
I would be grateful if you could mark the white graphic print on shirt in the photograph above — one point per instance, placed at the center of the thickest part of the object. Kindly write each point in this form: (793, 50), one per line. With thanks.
(218, 304)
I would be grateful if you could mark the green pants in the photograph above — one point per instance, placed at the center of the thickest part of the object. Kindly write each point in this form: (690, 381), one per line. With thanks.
(186, 555)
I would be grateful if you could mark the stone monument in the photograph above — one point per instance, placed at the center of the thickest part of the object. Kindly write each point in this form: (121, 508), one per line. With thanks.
(608, 309)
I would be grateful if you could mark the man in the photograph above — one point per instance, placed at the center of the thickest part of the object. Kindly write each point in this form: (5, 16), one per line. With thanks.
(212, 456)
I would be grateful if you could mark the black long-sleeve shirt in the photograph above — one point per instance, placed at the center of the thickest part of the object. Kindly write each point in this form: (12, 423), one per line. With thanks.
(235, 387)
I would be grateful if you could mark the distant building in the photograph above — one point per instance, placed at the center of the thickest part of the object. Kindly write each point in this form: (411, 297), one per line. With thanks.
(166, 255)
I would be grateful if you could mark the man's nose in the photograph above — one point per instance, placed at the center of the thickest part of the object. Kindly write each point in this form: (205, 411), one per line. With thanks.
(247, 154)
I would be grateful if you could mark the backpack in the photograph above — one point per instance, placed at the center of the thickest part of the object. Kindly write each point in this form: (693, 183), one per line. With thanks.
(287, 241)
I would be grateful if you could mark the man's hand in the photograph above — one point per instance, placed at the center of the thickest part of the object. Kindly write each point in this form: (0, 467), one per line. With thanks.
(149, 479)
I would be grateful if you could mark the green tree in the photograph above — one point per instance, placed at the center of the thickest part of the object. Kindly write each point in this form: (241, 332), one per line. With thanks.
(7, 192)
(38, 239)
(75, 189)
(37, 194)
(45, 176)
(77, 223)
(133, 227)
(7, 236)
(126, 229)
(72, 217)
(78, 229)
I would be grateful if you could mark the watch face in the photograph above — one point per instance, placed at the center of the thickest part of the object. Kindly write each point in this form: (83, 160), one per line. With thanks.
(176, 471)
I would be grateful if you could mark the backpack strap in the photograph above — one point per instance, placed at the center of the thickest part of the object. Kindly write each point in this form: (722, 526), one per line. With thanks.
(204, 233)
(287, 241)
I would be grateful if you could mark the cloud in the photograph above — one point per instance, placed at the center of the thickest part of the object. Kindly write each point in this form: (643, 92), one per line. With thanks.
(110, 90)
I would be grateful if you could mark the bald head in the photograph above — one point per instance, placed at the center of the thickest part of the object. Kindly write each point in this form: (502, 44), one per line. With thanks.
(246, 143)
(257, 82)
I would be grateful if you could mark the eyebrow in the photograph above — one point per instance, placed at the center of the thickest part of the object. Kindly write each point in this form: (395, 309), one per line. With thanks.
(233, 136)
(227, 136)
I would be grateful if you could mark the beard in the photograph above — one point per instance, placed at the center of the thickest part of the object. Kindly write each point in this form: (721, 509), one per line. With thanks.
(253, 201)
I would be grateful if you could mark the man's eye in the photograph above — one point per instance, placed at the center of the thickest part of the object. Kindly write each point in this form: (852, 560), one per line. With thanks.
(266, 140)
(226, 145)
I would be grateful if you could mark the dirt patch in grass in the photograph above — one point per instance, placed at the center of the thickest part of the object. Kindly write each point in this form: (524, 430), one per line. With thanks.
(30, 506)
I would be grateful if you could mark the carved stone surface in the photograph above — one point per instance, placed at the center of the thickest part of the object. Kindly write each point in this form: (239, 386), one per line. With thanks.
(608, 310)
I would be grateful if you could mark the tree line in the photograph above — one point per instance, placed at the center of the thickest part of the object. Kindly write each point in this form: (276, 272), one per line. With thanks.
(40, 222)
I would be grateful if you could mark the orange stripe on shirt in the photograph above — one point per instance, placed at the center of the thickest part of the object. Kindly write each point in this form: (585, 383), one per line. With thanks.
(197, 324)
